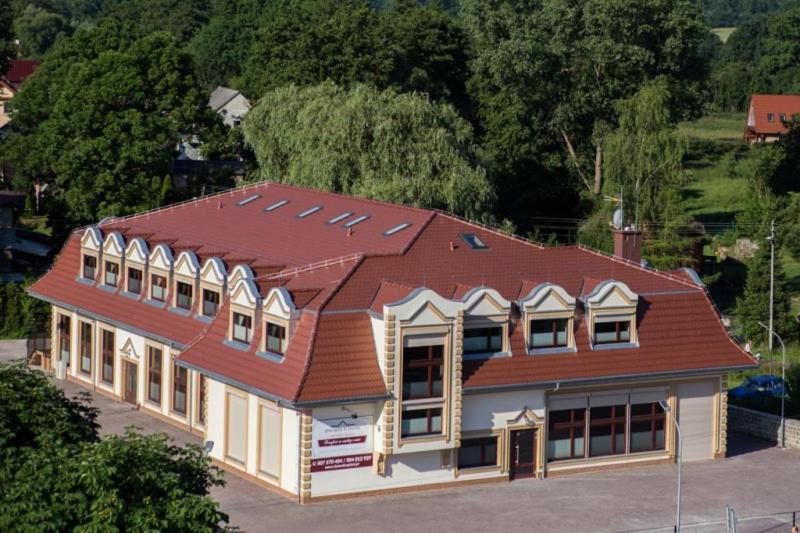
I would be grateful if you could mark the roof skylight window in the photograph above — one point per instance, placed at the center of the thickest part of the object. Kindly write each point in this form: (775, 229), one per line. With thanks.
(309, 211)
(396, 229)
(339, 218)
(276, 205)
(356, 220)
(247, 200)
(473, 241)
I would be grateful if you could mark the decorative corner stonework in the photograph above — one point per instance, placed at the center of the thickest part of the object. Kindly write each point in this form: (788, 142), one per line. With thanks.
(390, 350)
(457, 364)
(306, 422)
(722, 449)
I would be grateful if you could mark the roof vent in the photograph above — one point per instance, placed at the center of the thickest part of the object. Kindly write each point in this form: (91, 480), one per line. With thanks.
(276, 205)
(309, 211)
(247, 200)
(339, 218)
(473, 241)
(396, 229)
(356, 220)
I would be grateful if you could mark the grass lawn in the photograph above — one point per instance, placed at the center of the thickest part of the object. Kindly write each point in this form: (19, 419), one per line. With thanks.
(36, 223)
(717, 127)
(722, 33)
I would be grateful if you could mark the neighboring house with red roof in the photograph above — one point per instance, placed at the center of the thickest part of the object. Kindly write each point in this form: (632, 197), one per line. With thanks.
(769, 116)
(329, 345)
(11, 81)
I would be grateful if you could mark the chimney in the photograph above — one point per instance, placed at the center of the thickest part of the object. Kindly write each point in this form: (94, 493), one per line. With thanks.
(628, 244)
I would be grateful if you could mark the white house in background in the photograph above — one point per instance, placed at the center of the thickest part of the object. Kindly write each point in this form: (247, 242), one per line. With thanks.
(230, 104)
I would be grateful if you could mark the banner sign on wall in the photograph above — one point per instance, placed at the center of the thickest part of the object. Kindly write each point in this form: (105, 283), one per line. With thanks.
(340, 443)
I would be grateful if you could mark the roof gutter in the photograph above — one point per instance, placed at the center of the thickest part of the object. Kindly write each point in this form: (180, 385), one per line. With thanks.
(115, 323)
(603, 380)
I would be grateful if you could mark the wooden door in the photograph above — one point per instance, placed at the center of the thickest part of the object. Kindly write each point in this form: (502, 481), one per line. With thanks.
(130, 381)
(523, 453)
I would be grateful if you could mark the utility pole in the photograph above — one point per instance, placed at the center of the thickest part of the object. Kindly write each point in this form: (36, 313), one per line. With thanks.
(771, 239)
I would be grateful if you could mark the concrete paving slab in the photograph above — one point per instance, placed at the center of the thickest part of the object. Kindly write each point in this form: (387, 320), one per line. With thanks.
(12, 349)
(757, 479)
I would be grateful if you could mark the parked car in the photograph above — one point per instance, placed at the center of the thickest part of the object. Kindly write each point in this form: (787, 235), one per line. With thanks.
(758, 387)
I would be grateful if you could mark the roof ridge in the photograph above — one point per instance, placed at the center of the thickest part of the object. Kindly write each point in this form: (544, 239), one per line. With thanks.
(636, 265)
(491, 229)
(300, 269)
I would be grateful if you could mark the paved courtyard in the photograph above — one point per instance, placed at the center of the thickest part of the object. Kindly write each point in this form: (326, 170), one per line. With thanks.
(756, 480)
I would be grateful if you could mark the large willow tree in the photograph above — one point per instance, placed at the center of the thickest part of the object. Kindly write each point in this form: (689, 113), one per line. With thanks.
(400, 148)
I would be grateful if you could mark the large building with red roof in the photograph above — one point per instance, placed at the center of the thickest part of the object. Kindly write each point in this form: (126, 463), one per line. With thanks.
(11, 81)
(770, 115)
(327, 345)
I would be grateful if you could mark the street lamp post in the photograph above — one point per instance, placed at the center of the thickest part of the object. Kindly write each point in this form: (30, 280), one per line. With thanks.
(783, 384)
(668, 410)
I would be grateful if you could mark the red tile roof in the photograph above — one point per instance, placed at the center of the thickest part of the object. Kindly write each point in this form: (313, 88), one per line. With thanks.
(340, 279)
(19, 69)
(762, 105)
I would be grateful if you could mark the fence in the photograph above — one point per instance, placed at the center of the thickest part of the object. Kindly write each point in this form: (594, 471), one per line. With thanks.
(38, 342)
(732, 523)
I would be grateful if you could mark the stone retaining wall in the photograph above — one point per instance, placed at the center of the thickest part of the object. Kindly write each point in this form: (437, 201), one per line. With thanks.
(763, 425)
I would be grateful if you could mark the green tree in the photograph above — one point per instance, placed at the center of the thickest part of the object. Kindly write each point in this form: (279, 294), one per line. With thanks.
(6, 21)
(400, 148)
(56, 474)
(181, 18)
(38, 29)
(644, 156)
(102, 118)
(560, 66)
(753, 306)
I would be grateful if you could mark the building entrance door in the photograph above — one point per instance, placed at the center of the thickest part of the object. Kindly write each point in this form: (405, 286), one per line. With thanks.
(523, 453)
(130, 381)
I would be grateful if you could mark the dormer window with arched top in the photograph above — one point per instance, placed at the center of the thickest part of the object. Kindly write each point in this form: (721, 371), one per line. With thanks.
(91, 253)
(244, 308)
(486, 318)
(113, 260)
(135, 267)
(160, 273)
(611, 312)
(213, 277)
(186, 275)
(276, 313)
(548, 313)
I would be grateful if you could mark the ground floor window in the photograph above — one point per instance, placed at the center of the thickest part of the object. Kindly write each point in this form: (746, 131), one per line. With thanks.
(605, 430)
(64, 338)
(269, 453)
(107, 373)
(154, 374)
(421, 422)
(647, 427)
(180, 379)
(86, 347)
(478, 452)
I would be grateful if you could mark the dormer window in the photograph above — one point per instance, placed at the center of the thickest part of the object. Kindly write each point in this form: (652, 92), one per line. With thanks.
(134, 280)
(483, 340)
(210, 302)
(275, 338)
(551, 333)
(111, 274)
(616, 331)
(158, 288)
(183, 295)
(242, 328)
(89, 266)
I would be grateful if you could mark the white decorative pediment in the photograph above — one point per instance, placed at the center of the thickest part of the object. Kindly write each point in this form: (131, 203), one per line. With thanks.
(278, 302)
(483, 301)
(612, 294)
(114, 245)
(424, 307)
(527, 417)
(128, 350)
(187, 264)
(548, 297)
(213, 271)
(92, 238)
(240, 272)
(245, 293)
(161, 257)
(137, 251)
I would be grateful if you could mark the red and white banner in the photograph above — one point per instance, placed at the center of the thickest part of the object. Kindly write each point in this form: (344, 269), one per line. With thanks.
(340, 443)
